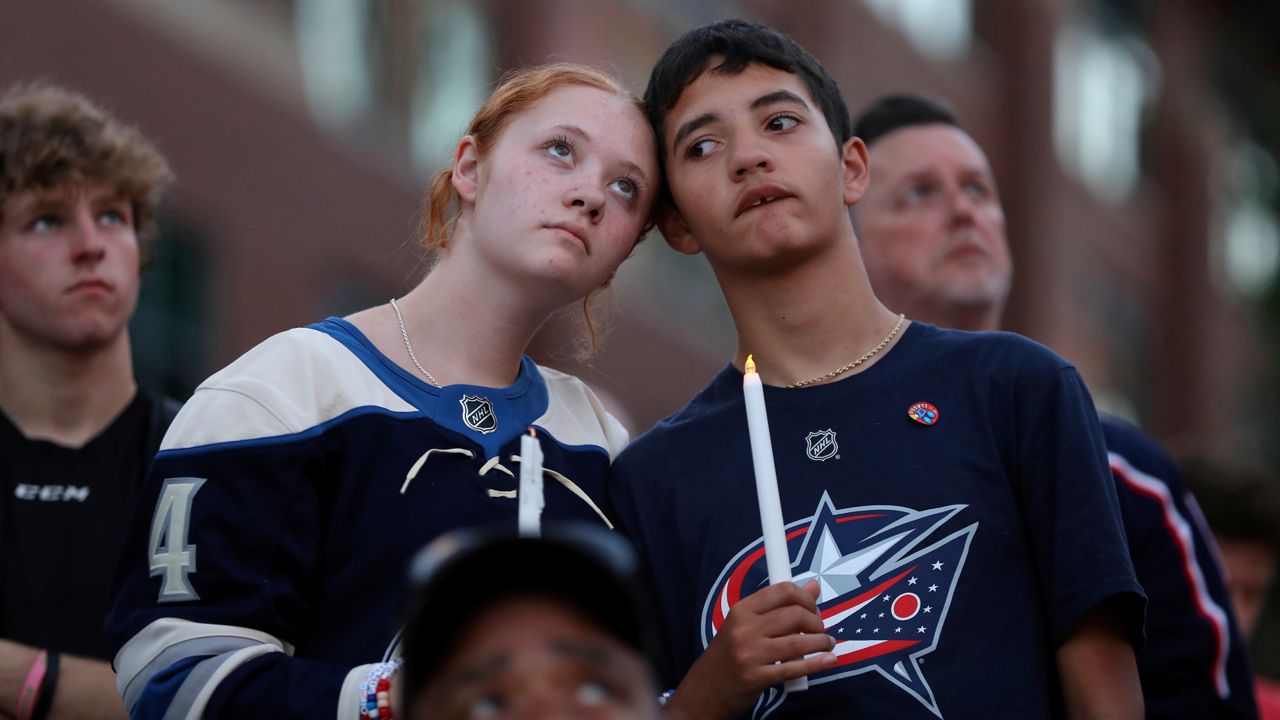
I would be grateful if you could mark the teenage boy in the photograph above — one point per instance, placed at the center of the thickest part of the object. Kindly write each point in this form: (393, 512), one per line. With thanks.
(951, 525)
(78, 197)
(933, 238)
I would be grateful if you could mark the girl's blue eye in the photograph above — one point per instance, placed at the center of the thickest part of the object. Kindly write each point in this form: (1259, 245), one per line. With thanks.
(560, 148)
(626, 187)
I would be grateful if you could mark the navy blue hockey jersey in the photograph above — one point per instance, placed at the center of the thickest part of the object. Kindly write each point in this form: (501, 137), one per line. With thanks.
(953, 501)
(267, 557)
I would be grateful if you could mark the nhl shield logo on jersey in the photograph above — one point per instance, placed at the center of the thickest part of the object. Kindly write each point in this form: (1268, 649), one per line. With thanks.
(821, 444)
(477, 414)
(884, 598)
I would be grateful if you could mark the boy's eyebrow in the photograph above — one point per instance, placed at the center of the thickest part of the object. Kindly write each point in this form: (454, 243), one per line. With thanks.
(701, 121)
(777, 96)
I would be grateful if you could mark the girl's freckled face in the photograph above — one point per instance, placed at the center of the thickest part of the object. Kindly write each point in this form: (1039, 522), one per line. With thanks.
(569, 181)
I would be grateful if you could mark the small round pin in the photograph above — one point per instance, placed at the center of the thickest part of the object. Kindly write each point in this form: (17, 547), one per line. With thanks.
(923, 413)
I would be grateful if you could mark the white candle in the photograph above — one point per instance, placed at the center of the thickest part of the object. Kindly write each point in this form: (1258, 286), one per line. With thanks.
(776, 556)
(529, 499)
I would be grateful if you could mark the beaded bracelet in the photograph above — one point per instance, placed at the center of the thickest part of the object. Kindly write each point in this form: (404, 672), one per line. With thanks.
(376, 689)
(665, 697)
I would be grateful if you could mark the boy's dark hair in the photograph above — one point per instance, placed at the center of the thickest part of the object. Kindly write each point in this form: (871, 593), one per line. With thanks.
(894, 112)
(739, 43)
(52, 138)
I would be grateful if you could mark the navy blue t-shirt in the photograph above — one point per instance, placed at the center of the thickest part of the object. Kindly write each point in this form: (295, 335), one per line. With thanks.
(955, 549)
(1194, 664)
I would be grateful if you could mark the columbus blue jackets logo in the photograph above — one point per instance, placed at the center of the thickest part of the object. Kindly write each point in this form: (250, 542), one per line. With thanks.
(477, 413)
(821, 445)
(886, 587)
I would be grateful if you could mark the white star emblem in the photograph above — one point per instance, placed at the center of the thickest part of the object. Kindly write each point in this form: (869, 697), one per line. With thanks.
(911, 581)
(836, 573)
(897, 630)
(933, 588)
(920, 629)
(929, 608)
(881, 614)
(937, 565)
(885, 598)
(875, 630)
(841, 631)
(858, 631)
(863, 616)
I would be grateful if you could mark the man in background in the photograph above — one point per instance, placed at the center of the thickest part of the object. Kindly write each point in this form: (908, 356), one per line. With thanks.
(78, 197)
(933, 238)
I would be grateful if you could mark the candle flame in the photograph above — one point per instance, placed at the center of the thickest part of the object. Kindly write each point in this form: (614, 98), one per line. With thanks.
(533, 432)
(750, 365)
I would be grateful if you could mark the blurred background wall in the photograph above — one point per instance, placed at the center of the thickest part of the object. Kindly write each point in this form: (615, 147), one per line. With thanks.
(1134, 141)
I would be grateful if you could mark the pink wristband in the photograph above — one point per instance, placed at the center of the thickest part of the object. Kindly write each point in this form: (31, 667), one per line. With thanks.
(31, 687)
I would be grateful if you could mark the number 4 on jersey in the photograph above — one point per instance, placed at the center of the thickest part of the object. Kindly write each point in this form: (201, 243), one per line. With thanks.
(172, 557)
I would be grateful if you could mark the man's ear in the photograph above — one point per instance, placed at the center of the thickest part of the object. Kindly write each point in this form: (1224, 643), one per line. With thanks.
(857, 171)
(466, 169)
(676, 231)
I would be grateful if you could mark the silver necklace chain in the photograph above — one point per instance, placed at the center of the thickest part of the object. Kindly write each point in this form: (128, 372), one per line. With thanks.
(409, 346)
(839, 371)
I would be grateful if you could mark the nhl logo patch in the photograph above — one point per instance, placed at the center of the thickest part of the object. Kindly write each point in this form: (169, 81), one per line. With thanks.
(821, 445)
(923, 413)
(477, 414)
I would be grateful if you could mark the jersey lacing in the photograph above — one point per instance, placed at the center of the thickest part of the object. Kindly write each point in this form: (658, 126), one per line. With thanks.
(494, 463)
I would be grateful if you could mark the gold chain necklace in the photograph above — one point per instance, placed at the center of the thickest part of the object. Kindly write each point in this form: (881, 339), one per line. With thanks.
(870, 354)
(409, 346)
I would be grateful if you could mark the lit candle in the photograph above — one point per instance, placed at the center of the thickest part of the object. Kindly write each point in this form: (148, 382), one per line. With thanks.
(776, 556)
(530, 500)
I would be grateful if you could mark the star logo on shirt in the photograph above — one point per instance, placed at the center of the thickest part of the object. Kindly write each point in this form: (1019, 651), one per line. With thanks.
(867, 563)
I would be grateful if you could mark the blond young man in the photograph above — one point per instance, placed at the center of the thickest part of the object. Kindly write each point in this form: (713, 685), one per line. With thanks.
(78, 196)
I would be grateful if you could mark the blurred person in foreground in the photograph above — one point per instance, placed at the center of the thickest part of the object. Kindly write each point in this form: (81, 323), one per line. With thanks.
(262, 574)
(504, 626)
(1242, 508)
(933, 237)
(78, 197)
(955, 542)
